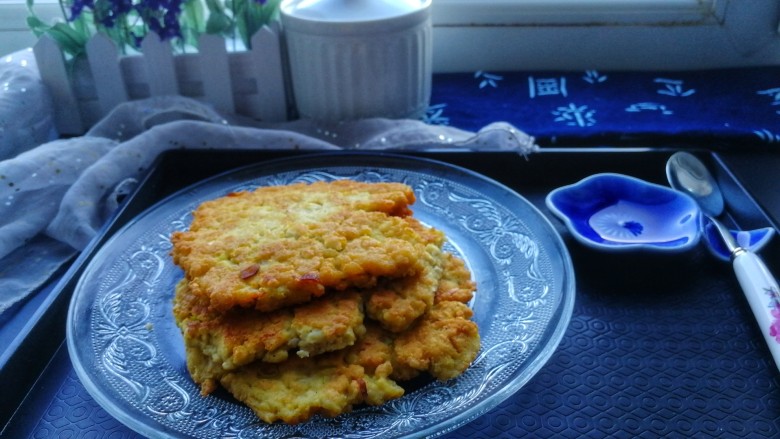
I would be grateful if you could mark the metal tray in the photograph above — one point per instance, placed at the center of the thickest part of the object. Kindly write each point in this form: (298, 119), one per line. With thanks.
(658, 345)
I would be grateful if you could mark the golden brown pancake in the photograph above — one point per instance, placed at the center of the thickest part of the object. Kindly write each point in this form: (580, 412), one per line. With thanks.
(329, 384)
(216, 343)
(442, 342)
(284, 245)
(276, 282)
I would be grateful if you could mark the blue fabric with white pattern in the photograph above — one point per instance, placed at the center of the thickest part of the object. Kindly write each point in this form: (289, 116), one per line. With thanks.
(711, 108)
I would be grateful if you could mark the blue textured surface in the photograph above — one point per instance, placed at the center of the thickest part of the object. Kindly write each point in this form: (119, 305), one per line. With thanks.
(73, 413)
(657, 347)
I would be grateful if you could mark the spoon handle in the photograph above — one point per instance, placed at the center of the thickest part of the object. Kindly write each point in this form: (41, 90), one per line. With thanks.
(763, 295)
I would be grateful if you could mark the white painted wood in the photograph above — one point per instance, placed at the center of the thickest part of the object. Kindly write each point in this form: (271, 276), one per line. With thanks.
(266, 66)
(103, 58)
(134, 75)
(215, 73)
(160, 71)
(51, 64)
(249, 83)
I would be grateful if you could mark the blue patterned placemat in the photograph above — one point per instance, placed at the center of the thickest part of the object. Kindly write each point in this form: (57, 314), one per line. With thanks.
(657, 347)
(726, 107)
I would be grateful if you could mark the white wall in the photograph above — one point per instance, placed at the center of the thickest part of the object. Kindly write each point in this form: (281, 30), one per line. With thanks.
(14, 34)
(13, 40)
(605, 34)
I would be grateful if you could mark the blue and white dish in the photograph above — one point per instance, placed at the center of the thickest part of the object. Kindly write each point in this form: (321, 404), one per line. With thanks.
(616, 212)
(753, 240)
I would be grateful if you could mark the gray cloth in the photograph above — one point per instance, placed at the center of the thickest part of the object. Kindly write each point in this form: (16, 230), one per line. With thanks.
(67, 189)
(26, 109)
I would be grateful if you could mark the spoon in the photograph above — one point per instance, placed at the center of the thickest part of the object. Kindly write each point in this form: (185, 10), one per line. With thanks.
(688, 174)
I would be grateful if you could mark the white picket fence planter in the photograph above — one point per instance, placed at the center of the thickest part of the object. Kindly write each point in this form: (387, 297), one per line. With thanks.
(250, 83)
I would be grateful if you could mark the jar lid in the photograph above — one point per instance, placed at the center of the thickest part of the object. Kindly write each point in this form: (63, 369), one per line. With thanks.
(319, 15)
(351, 10)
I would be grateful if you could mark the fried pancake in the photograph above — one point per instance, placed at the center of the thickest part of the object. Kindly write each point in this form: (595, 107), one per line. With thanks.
(329, 384)
(216, 343)
(290, 269)
(284, 245)
(443, 342)
(397, 303)
(455, 284)
(220, 342)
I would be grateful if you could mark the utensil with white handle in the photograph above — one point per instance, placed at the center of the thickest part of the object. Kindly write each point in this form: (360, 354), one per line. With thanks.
(688, 174)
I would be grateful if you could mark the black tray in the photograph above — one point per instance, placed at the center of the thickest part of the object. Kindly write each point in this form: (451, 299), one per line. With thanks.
(657, 346)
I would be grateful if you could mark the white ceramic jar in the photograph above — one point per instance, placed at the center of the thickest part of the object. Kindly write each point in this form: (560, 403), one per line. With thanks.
(352, 59)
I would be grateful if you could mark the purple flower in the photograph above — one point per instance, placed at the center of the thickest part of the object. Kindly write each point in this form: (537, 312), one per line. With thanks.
(162, 17)
(78, 6)
(774, 328)
(129, 21)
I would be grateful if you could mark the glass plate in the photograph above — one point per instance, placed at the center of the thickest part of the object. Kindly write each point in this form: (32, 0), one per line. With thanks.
(129, 354)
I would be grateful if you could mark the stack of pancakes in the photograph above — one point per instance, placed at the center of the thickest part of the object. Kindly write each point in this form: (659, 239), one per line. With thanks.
(313, 298)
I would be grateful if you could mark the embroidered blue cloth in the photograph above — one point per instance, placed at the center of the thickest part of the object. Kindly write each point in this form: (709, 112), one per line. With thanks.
(712, 108)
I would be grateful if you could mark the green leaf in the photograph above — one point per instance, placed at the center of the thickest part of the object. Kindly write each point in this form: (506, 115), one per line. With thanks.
(239, 19)
(37, 26)
(215, 6)
(83, 25)
(193, 16)
(268, 12)
(31, 8)
(243, 33)
(254, 16)
(218, 23)
(69, 40)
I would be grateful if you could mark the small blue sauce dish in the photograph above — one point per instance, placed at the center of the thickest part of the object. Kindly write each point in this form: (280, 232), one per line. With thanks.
(615, 212)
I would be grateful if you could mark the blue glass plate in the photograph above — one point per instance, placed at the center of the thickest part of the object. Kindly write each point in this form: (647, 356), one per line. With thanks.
(615, 212)
(129, 354)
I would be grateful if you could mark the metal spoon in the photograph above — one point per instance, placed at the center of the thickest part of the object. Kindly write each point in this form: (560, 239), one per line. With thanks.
(688, 174)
